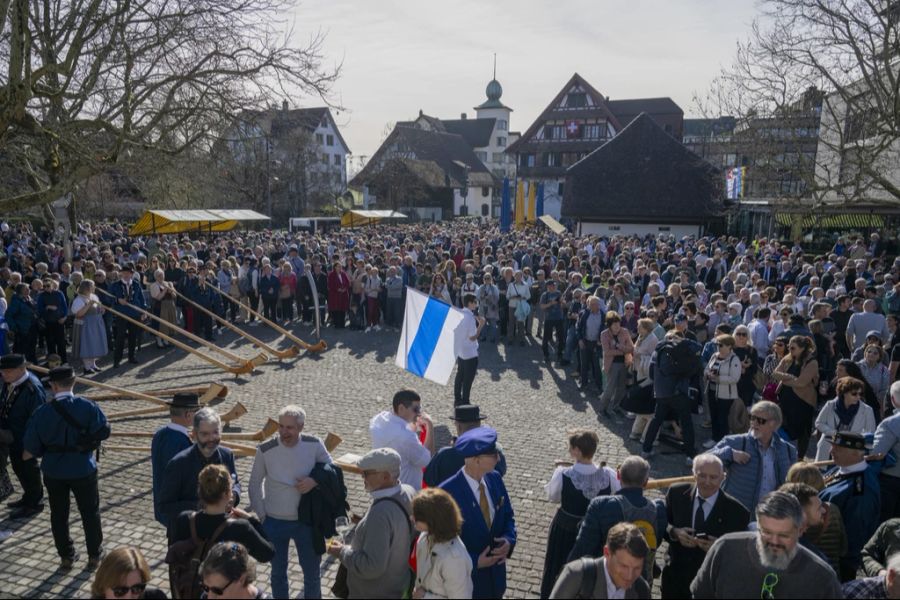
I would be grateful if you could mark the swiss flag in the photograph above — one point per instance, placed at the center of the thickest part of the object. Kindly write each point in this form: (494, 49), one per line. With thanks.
(573, 129)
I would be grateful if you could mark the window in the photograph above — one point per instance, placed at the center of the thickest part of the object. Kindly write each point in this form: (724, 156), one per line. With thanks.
(551, 159)
(485, 210)
(729, 160)
(329, 140)
(463, 211)
(501, 141)
(665, 229)
(526, 160)
(576, 100)
(337, 160)
(614, 228)
(320, 139)
(501, 125)
(324, 159)
(485, 190)
(559, 190)
(591, 132)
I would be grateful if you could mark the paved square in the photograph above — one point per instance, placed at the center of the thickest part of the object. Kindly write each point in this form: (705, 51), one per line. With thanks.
(530, 404)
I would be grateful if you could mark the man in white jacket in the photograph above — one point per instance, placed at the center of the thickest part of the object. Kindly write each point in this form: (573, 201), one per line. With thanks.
(397, 428)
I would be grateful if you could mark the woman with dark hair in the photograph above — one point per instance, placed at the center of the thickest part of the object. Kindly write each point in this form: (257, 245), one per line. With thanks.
(844, 413)
(229, 572)
(798, 373)
(573, 487)
(443, 566)
(847, 368)
(875, 372)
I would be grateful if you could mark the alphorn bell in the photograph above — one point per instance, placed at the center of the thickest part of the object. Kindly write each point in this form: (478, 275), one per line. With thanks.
(256, 361)
(289, 353)
(104, 386)
(317, 347)
(209, 392)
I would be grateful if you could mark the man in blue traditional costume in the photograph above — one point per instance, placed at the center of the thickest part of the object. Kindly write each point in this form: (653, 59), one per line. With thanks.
(169, 440)
(448, 461)
(852, 485)
(489, 526)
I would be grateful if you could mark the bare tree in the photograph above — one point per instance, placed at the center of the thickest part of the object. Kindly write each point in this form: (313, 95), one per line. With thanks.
(850, 49)
(90, 81)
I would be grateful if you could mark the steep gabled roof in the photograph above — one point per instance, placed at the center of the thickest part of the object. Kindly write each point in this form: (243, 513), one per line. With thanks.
(626, 110)
(423, 151)
(284, 121)
(643, 175)
(476, 132)
(600, 106)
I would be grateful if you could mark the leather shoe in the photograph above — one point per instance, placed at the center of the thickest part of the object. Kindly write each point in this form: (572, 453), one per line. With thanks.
(67, 563)
(25, 512)
(16, 503)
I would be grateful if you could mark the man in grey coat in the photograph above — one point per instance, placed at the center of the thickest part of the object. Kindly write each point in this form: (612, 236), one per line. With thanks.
(616, 575)
(377, 558)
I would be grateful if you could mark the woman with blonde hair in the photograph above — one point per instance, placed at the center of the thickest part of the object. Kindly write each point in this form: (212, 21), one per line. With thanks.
(163, 295)
(443, 565)
(798, 397)
(88, 330)
(123, 573)
(644, 347)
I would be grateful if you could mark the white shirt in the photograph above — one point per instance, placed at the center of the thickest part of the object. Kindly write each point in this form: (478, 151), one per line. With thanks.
(857, 468)
(390, 431)
(611, 590)
(476, 491)
(466, 347)
(708, 504)
(19, 381)
(180, 428)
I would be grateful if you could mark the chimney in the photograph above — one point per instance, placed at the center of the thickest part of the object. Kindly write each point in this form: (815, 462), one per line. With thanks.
(284, 105)
(463, 116)
(420, 112)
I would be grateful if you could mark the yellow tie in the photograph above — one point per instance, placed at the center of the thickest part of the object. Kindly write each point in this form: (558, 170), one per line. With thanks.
(485, 507)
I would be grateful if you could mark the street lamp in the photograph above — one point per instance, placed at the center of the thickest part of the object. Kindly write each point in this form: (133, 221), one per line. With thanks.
(464, 192)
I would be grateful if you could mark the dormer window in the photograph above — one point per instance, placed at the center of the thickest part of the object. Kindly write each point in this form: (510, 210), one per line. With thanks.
(576, 100)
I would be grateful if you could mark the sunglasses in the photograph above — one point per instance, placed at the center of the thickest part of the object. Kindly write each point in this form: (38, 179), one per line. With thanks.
(137, 589)
(740, 335)
(758, 420)
(206, 589)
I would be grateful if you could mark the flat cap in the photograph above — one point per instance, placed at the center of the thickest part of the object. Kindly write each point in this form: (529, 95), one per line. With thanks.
(380, 459)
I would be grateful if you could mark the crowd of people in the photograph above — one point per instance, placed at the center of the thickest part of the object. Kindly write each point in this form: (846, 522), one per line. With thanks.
(785, 357)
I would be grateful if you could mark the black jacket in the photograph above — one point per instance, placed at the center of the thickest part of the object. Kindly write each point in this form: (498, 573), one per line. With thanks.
(325, 503)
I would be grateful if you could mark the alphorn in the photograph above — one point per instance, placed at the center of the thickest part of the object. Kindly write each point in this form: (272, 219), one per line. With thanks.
(317, 347)
(104, 386)
(289, 353)
(235, 413)
(267, 430)
(238, 449)
(258, 360)
(213, 390)
(239, 369)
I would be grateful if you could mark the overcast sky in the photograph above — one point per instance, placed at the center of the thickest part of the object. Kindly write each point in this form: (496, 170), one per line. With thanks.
(400, 56)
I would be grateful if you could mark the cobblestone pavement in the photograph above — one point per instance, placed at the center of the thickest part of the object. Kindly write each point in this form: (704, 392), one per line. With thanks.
(530, 403)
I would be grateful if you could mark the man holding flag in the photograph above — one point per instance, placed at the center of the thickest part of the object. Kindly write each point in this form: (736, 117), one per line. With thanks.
(467, 333)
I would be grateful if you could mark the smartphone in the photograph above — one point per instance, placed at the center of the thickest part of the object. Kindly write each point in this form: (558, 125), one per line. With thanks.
(701, 536)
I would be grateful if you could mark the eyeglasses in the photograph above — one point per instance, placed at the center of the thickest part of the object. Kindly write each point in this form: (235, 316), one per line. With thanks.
(758, 420)
(740, 335)
(137, 589)
(768, 586)
(218, 591)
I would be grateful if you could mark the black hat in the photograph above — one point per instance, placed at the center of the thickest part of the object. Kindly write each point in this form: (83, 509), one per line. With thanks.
(847, 439)
(12, 361)
(467, 413)
(127, 268)
(61, 373)
(185, 400)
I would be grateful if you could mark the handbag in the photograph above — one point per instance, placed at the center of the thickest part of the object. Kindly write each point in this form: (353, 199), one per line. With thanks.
(738, 417)
(639, 398)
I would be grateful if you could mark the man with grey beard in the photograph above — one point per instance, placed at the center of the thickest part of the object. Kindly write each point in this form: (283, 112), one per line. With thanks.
(767, 563)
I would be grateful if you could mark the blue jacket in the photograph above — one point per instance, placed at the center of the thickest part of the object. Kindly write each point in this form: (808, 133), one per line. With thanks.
(743, 481)
(28, 397)
(269, 286)
(21, 315)
(605, 511)
(178, 492)
(447, 463)
(167, 442)
(666, 386)
(859, 498)
(136, 298)
(57, 299)
(581, 325)
(47, 428)
(489, 582)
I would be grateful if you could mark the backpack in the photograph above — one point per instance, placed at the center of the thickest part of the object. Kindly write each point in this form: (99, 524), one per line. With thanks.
(590, 566)
(85, 441)
(245, 283)
(681, 360)
(184, 558)
(643, 518)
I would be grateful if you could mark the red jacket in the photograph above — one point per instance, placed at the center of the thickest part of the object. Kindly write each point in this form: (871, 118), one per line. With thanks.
(338, 291)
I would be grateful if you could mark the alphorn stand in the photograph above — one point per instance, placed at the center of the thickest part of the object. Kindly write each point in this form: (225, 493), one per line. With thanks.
(289, 353)
(256, 361)
(317, 347)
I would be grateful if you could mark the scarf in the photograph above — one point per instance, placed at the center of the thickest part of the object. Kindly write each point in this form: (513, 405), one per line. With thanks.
(844, 414)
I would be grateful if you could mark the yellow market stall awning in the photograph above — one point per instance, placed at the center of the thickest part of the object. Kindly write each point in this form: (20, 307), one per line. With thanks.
(359, 218)
(186, 221)
(554, 225)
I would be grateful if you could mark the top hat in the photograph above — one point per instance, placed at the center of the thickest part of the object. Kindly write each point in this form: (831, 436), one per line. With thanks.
(467, 413)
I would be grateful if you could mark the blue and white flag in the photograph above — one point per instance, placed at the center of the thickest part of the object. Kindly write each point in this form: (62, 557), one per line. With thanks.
(427, 342)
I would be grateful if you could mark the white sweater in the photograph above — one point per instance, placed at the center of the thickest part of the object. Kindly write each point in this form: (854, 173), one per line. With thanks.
(444, 570)
(827, 423)
(276, 469)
